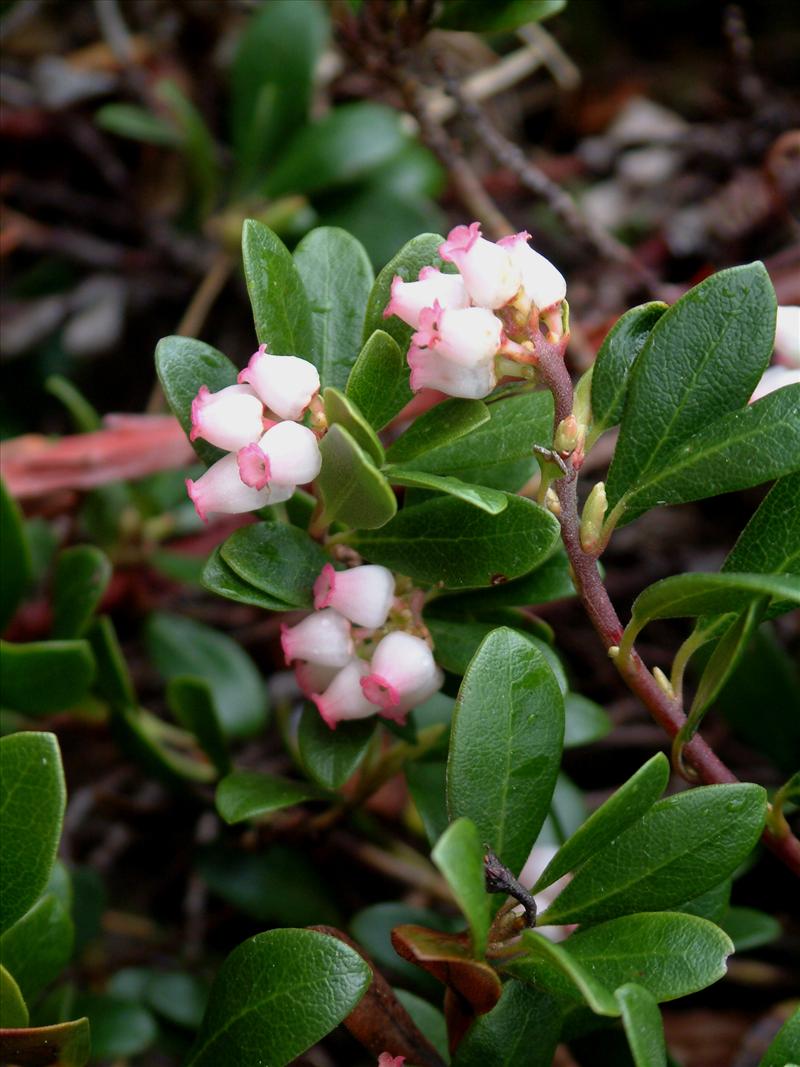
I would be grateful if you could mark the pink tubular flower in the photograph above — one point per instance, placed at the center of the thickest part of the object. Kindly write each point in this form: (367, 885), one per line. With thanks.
(286, 384)
(287, 454)
(429, 370)
(313, 677)
(344, 698)
(221, 491)
(322, 638)
(542, 283)
(403, 674)
(490, 275)
(230, 418)
(467, 336)
(386, 1059)
(363, 595)
(787, 336)
(409, 298)
(775, 378)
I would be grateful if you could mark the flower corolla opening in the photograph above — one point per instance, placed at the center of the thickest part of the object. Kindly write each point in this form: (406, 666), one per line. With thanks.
(403, 673)
(323, 638)
(490, 275)
(230, 418)
(344, 699)
(363, 594)
(286, 384)
(287, 454)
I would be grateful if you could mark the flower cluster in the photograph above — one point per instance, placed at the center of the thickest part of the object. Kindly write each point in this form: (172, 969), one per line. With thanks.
(401, 672)
(268, 457)
(461, 319)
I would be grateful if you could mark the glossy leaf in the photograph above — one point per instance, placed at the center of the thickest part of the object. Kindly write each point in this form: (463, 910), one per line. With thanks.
(220, 579)
(749, 928)
(496, 17)
(342, 410)
(38, 946)
(182, 647)
(681, 847)
(551, 968)
(329, 757)
(551, 580)
(523, 1026)
(722, 661)
(279, 560)
(443, 424)
(643, 1025)
(337, 276)
(770, 542)
(15, 573)
(456, 642)
(492, 501)
(13, 1009)
(615, 360)
(82, 576)
(32, 793)
(446, 540)
(45, 676)
(62, 1045)
(353, 490)
(191, 701)
(702, 360)
(281, 309)
(378, 382)
(248, 795)
(422, 251)
(784, 1048)
(505, 787)
(459, 856)
(584, 721)
(426, 781)
(620, 811)
(279, 992)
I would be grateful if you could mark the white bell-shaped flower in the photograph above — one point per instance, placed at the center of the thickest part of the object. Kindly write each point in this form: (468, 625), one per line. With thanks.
(363, 595)
(287, 454)
(322, 638)
(409, 298)
(344, 698)
(467, 336)
(314, 677)
(221, 491)
(787, 335)
(286, 384)
(775, 378)
(542, 283)
(403, 673)
(429, 370)
(230, 418)
(491, 276)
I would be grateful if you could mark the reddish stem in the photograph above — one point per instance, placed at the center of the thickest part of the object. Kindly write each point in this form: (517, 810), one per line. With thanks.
(666, 711)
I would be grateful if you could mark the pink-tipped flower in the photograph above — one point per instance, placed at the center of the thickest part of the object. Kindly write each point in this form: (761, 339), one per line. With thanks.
(542, 283)
(386, 1059)
(221, 491)
(287, 454)
(363, 595)
(314, 677)
(787, 336)
(286, 384)
(467, 336)
(429, 370)
(322, 638)
(230, 418)
(409, 298)
(775, 378)
(344, 698)
(403, 674)
(490, 275)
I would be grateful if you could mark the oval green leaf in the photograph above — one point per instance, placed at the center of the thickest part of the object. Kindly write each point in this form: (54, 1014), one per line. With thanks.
(443, 424)
(45, 676)
(281, 310)
(459, 856)
(279, 560)
(378, 382)
(247, 795)
(643, 1025)
(331, 757)
(82, 576)
(353, 490)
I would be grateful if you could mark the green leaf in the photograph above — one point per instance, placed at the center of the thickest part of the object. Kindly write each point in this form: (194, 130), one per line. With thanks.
(749, 928)
(337, 276)
(247, 795)
(340, 409)
(32, 793)
(498, 453)
(614, 362)
(739, 450)
(85, 417)
(459, 856)
(38, 945)
(279, 992)
(422, 251)
(712, 904)
(281, 309)
(13, 1009)
(784, 1048)
(497, 17)
(372, 929)
(682, 846)
(549, 967)
(723, 659)
(191, 701)
(378, 382)
(492, 501)
(81, 578)
(702, 360)
(427, 1019)
(179, 997)
(584, 721)
(113, 681)
(551, 580)
(180, 646)
(341, 147)
(128, 120)
(163, 750)
(220, 579)
(45, 676)
(457, 642)
(276, 559)
(441, 425)
(15, 574)
(69, 1042)
(331, 758)
(643, 1026)
(446, 540)
(426, 781)
(353, 490)
(523, 1026)
(621, 810)
(198, 146)
(505, 786)
(119, 1028)
(270, 100)
(183, 365)
(770, 542)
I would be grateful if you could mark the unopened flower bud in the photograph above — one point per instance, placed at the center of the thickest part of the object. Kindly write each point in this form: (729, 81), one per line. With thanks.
(594, 513)
(322, 638)
(363, 595)
(230, 418)
(409, 298)
(287, 454)
(467, 336)
(543, 285)
(429, 370)
(775, 378)
(403, 674)
(221, 491)
(787, 335)
(344, 698)
(567, 436)
(286, 384)
(490, 275)
(386, 1059)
